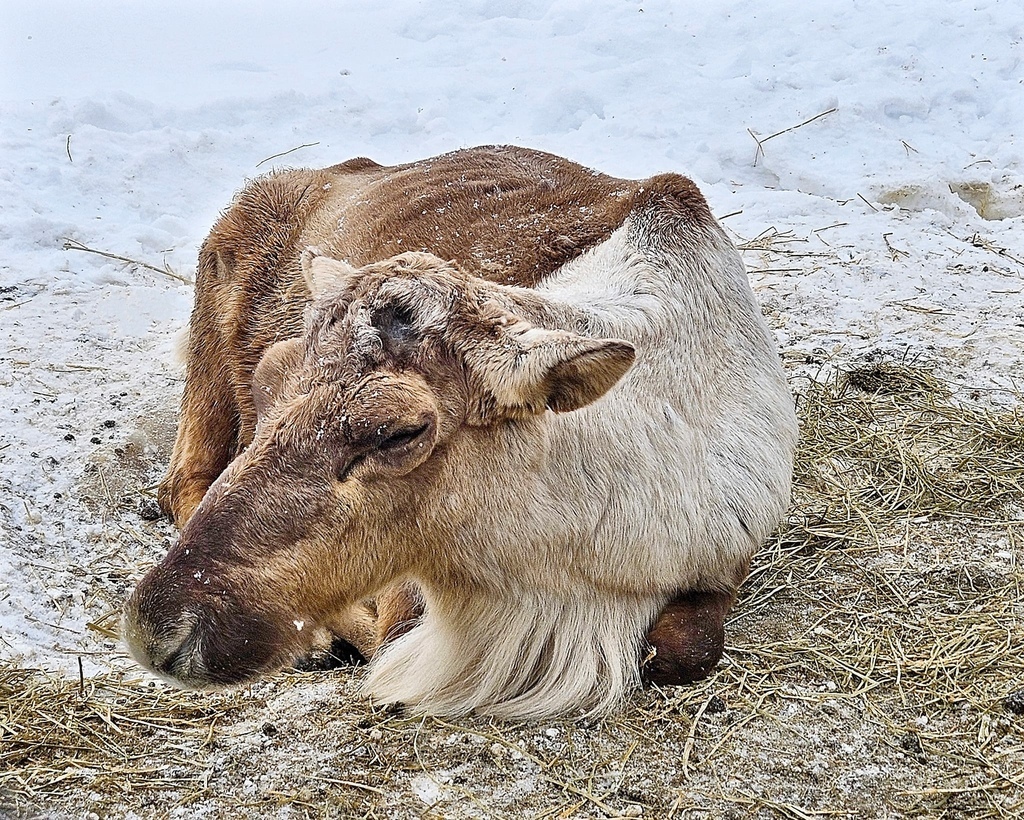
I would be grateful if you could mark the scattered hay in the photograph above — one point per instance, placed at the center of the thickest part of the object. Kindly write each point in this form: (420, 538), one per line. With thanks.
(60, 737)
(772, 245)
(898, 575)
(166, 270)
(889, 441)
(875, 668)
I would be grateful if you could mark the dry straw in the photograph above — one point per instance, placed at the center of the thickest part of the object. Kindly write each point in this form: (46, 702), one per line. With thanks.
(879, 637)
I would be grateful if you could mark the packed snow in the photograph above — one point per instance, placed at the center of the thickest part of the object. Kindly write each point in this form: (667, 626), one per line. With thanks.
(866, 155)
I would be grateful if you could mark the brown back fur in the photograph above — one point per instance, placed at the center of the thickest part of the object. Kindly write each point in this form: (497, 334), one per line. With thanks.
(506, 214)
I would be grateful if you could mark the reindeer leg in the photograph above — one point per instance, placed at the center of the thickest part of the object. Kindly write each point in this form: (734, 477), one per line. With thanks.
(208, 427)
(356, 626)
(399, 609)
(203, 448)
(367, 626)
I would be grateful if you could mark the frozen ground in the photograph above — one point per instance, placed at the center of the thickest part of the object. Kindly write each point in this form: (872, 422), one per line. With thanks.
(891, 220)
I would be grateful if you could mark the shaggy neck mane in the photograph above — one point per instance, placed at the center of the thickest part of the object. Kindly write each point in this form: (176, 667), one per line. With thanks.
(523, 655)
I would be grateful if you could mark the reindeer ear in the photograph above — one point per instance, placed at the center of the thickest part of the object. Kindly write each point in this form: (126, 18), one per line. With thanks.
(583, 377)
(323, 273)
(547, 370)
(267, 380)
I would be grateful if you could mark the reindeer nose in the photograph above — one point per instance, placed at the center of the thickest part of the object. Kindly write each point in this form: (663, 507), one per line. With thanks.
(200, 636)
(163, 642)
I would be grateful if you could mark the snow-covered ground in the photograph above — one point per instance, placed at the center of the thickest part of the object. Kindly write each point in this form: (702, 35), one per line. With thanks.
(891, 219)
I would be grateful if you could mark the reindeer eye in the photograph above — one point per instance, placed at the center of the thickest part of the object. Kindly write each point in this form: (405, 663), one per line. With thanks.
(343, 469)
(403, 437)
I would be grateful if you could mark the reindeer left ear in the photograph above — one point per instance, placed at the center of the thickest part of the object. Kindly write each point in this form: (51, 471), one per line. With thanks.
(323, 273)
(590, 369)
(548, 370)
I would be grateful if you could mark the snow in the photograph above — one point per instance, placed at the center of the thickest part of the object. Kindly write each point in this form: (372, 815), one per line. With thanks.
(894, 221)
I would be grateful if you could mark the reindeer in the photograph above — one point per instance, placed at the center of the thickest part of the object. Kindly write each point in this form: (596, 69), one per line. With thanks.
(513, 427)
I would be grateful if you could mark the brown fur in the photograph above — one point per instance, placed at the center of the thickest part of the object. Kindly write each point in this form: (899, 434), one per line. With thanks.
(507, 215)
(688, 638)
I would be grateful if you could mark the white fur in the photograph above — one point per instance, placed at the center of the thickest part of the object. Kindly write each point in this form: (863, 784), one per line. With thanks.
(527, 656)
(572, 530)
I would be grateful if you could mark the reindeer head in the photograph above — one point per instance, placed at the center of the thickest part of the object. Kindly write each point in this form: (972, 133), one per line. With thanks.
(408, 374)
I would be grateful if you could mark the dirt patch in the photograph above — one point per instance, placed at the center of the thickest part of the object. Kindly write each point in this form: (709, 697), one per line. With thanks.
(122, 477)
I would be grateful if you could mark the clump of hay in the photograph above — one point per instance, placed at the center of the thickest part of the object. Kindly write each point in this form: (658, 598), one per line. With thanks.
(888, 441)
(884, 619)
(60, 737)
(897, 574)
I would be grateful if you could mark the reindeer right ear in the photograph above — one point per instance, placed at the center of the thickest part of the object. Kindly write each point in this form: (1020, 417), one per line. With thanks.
(322, 273)
(531, 370)
(268, 378)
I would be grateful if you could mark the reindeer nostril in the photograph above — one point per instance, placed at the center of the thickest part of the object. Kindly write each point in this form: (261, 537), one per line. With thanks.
(169, 665)
(179, 656)
(171, 651)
